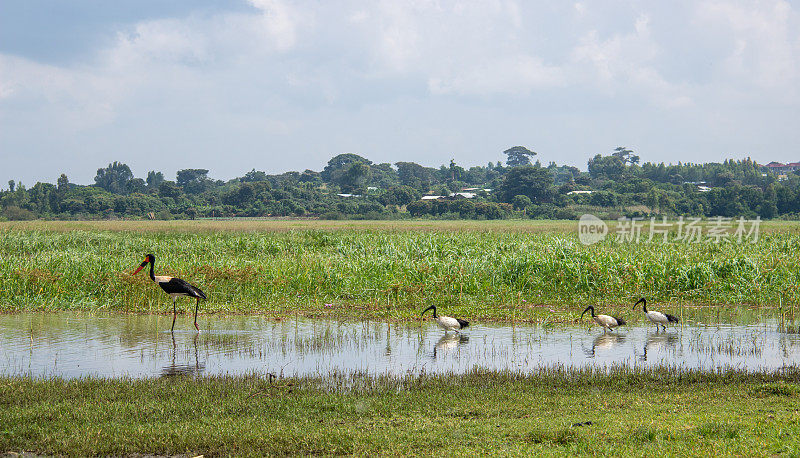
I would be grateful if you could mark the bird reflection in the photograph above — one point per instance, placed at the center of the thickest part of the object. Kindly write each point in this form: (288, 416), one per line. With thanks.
(449, 341)
(174, 369)
(604, 342)
(658, 341)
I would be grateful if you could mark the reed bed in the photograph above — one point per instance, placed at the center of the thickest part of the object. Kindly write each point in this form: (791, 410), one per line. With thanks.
(388, 273)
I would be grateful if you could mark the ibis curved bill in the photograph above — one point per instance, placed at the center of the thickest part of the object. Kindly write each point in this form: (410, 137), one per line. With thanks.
(447, 323)
(608, 322)
(175, 287)
(657, 318)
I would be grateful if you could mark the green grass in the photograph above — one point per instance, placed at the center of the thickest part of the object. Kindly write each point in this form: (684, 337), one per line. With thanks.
(505, 270)
(633, 412)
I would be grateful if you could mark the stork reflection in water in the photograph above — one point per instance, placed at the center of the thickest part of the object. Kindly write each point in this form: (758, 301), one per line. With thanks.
(174, 369)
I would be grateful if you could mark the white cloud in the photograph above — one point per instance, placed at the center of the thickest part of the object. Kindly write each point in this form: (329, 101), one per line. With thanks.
(279, 21)
(308, 77)
(764, 39)
(506, 75)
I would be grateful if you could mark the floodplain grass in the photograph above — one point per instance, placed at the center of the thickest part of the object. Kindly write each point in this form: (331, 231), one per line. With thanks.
(507, 270)
(498, 270)
(560, 411)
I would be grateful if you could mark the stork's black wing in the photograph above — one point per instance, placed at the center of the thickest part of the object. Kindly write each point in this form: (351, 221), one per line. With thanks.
(180, 286)
(462, 323)
(671, 318)
(620, 321)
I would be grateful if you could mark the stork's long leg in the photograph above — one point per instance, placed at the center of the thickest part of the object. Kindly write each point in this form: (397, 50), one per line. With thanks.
(196, 308)
(174, 315)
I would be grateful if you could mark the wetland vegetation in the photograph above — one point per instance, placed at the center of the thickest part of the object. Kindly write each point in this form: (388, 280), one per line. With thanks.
(557, 412)
(505, 271)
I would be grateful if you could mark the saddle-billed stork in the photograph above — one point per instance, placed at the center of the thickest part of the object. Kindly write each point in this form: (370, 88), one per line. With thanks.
(608, 322)
(447, 323)
(657, 318)
(175, 287)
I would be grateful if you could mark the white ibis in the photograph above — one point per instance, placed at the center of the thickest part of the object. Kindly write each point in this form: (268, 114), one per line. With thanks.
(608, 322)
(447, 323)
(657, 318)
(175, 287)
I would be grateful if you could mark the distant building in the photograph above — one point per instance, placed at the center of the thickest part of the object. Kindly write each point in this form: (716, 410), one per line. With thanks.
(433, 197)
(701, 185)
(579, 192)
(779, 168)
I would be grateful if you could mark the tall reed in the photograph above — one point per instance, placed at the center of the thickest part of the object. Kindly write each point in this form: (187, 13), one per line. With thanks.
(387, 273)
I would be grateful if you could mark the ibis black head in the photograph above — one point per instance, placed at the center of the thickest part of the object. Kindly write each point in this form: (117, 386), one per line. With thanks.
(641, 301)
(432, 307)
(587, 309)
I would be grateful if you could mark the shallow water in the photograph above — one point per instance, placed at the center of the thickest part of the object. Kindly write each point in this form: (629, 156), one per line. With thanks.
(73, 345)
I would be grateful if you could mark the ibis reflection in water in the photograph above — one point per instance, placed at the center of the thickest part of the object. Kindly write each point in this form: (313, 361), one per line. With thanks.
(657, 318)
(608, 322)
(658, 342)
(448, 342)
(447, 323)
(603, 342)
(175, 287)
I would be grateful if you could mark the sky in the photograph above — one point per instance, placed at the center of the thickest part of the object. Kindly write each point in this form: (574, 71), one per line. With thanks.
(281, 85)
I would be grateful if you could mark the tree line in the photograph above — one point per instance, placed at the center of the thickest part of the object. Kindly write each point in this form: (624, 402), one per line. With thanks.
(352, 186)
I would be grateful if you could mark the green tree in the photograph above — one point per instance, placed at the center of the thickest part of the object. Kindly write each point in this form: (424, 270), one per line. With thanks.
(607, 167)
(63, 183)
(154, 179)
(400, 195)
(625, 155)
(169, 189)
(529, 180)
(356, 176)
(193, 181)
(309, 176)
(415, 175)
(520, 202)
(339, 164)
(114, 178)
(518, 156)
(253, 176)
(137, 185)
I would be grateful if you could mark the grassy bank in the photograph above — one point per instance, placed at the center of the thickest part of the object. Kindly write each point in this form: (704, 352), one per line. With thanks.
(631, 413)
(385, 270)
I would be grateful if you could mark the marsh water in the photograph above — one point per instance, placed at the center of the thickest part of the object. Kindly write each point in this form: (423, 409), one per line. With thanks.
(74, 345)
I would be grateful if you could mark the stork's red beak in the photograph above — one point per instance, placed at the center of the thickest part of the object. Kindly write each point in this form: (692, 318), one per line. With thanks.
(141, 266)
